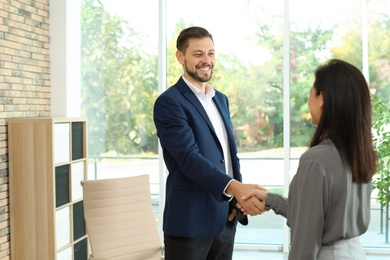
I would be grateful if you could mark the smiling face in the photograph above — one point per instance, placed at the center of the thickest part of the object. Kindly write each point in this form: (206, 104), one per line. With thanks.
(315, 104)
(198, 60)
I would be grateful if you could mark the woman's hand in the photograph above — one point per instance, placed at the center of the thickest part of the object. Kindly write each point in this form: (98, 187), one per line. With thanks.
(260, 194)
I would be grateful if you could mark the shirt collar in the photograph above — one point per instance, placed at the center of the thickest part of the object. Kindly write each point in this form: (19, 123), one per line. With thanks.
(210, 92)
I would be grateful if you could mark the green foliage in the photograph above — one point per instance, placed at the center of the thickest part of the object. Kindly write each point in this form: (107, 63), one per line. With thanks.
(379, 52)
(119, 80)
(276, 190)
(174, 68)
(381, 127)
(248, 102)
(267, 82)
(119, 84)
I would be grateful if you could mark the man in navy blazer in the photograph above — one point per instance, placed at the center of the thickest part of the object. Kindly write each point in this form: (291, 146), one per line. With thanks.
(204, 180)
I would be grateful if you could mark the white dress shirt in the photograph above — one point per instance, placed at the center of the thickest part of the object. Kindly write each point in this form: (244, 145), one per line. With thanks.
(216, 120)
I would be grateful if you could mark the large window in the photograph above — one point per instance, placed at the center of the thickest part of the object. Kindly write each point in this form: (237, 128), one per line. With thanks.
(267, 53)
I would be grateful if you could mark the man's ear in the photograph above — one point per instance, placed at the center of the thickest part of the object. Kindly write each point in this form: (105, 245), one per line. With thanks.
(180, 57)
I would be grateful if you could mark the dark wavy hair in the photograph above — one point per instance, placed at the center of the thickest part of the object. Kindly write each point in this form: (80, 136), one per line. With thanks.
(188, 33)
(346, 116)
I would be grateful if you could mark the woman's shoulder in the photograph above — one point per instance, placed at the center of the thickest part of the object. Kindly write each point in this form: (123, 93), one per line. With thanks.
(324, 154)
(321, 150)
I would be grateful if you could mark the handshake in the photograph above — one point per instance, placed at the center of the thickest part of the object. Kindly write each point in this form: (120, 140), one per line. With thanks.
(250, 198)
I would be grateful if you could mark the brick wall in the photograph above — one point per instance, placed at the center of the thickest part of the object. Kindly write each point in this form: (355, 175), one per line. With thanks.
(24, 81)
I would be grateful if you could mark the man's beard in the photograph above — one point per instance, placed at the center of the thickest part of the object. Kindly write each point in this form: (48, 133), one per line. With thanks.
(195, 75)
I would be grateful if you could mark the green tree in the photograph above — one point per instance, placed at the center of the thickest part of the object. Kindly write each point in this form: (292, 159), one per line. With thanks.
(119, 84)
(379, 55)
(174, 68)
(305, 47)
(381, 125)
(378, 36)
(119, 80)
(249, 101)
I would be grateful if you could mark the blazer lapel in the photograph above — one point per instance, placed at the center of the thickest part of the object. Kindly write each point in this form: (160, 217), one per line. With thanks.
(191, 97)
(223, 110)
(222, 106)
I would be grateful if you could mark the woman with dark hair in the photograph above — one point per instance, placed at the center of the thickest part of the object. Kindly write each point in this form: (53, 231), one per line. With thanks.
(328, 205)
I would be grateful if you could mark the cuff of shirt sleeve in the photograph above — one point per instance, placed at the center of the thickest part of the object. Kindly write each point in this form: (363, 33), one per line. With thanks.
(271, 200)
(229, 196)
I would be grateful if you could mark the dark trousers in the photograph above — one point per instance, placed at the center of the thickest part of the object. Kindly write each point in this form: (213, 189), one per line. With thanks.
(211, 248)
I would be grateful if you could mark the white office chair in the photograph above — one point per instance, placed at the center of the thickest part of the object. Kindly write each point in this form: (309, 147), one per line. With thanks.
(119, 219)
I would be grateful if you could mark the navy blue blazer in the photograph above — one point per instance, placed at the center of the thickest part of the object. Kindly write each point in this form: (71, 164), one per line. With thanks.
(195, 205)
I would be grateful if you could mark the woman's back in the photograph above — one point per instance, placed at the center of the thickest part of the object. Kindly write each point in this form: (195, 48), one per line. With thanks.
(324, 204)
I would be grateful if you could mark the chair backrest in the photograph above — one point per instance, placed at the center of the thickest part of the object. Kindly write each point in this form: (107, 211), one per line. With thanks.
(119, 219)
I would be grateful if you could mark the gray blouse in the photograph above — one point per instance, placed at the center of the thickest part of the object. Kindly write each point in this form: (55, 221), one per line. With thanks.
(324, 204)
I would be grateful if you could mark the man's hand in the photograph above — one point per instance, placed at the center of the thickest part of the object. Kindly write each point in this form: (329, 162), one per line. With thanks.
(260, 194)
(232, 215)
(250, 205)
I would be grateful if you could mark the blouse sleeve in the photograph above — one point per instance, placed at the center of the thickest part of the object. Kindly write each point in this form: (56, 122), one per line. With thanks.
(307, 207)
(277, 203)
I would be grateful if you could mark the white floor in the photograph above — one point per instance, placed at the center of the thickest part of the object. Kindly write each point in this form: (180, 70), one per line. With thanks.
(249, 255)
